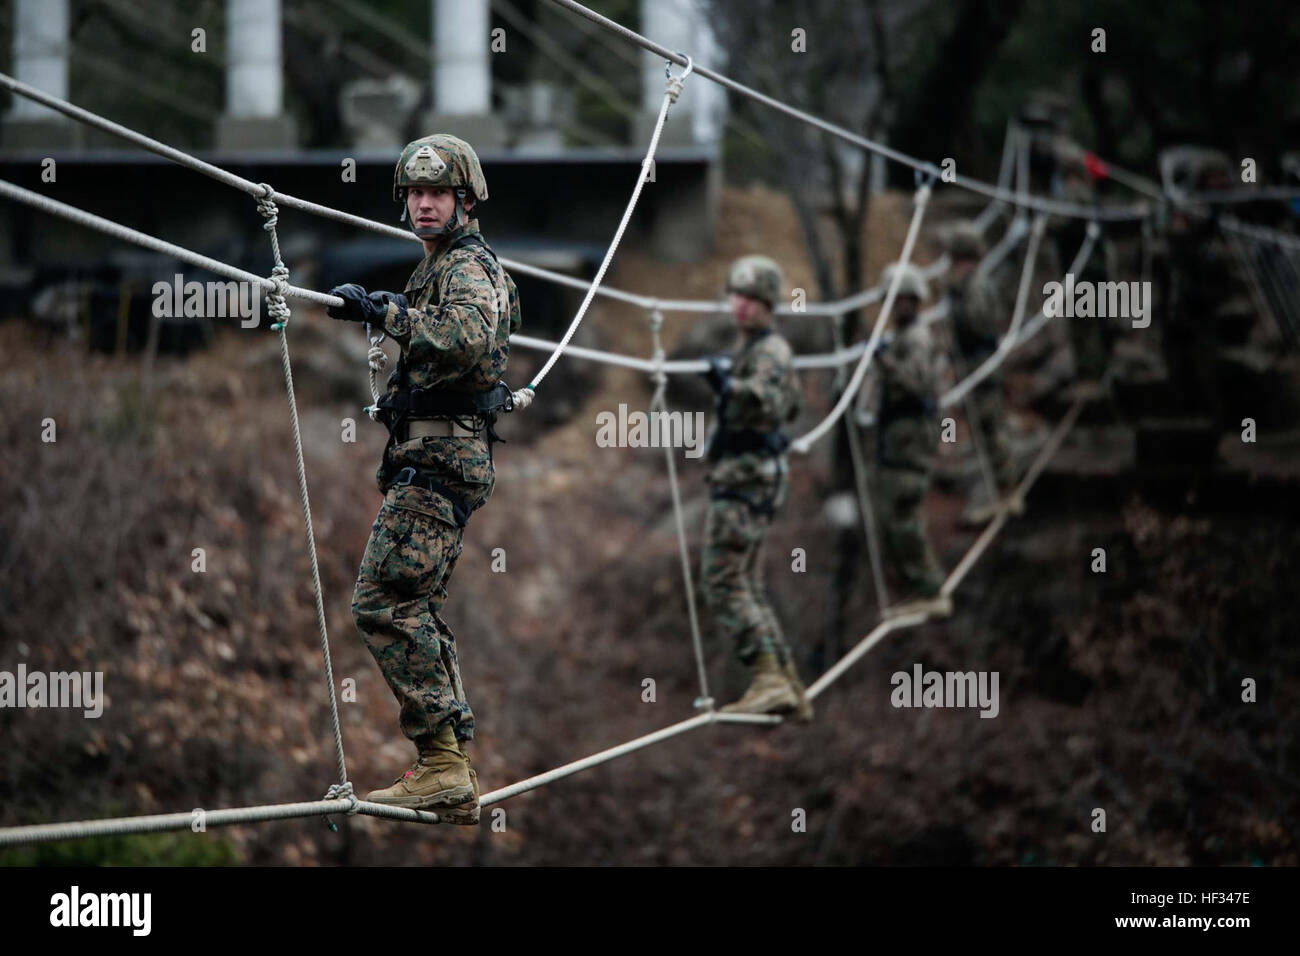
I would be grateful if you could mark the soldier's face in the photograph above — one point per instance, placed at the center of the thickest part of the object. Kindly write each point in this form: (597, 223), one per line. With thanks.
(749, 313)
(430, 207)
(905, 307)
(1216, 180)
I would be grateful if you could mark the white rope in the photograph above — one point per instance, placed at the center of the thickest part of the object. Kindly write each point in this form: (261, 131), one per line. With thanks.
(804, 443)
(1074, 210)
(1009, 344)
(858, 461)
(1232, 224)
(673, 89)
(830, 308)
(279, 311)
(659, 401)
(376, 362)
(182, 821)
(1257, 294)
(115, 826)
(341, 794)
(127, 234)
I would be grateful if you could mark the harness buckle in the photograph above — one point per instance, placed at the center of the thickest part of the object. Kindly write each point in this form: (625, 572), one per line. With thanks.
(404, 477)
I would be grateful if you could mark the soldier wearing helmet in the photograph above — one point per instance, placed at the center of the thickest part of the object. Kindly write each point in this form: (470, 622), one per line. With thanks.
(757, 394)
(1204, 280)
(979, 319)
(453, 324)
(907, 438)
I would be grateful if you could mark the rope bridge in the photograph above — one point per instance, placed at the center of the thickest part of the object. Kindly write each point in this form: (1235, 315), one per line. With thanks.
(340, 797)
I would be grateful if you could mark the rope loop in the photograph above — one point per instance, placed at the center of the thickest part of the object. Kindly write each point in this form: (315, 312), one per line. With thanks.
(674, 84)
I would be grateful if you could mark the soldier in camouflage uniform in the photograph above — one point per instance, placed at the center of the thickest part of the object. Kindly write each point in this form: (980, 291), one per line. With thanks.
(453, 324)
(758, 393)
(979, 320)
(1091, 338)
(1203, 279)
(907, 438)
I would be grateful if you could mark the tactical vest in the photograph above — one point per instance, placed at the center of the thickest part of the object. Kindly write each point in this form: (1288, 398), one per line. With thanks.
(740, 441)
(476, 410)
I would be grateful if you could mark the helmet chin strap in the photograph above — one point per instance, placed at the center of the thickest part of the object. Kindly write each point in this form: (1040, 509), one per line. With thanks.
(433, 232)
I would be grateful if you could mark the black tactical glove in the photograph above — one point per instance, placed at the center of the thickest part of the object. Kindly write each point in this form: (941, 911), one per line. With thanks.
(359, 307)
(719, 374)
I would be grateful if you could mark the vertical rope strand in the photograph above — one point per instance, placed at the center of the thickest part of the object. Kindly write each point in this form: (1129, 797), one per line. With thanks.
(279, 311)
(660, 378)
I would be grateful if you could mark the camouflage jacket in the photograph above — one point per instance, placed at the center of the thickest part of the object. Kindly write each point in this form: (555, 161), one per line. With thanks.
(978, 314)
(908, 423)
(1067, 234)
(1203, 274)
(764, 396)
(455, 334)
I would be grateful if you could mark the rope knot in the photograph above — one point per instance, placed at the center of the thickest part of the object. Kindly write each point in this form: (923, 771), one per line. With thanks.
(267, 207)
(343, 791)
(674, 88)
(276, 307)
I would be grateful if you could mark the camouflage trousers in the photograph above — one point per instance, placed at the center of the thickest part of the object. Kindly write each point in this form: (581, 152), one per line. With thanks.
(905, 452)
(987, 418)
(1091, 340)
(400, 590)
(1191, 352)
(732, 581)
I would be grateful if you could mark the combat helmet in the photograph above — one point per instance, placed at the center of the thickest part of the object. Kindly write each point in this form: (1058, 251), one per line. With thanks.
(964, 241)
(1043, 109)
(1291, 167)
(440, 160)
(911, 283)
(757, 277)
(1185, 169)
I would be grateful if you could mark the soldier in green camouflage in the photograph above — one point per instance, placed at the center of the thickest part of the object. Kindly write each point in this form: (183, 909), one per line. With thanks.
(1092, 338)
(979, 320)
(758, 394)
(907, 439)
(453, 324)
(1203, 280)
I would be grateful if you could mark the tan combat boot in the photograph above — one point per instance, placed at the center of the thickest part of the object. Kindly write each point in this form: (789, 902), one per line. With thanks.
(439, 779)
(769, 691)
(465, 814)
(803, 711)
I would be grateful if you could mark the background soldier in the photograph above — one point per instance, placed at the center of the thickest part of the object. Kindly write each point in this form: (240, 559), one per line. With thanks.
(979, 320)
(453, 324)
(907, 439)
(757, 394)
(1091, 339)
(1203, 279)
